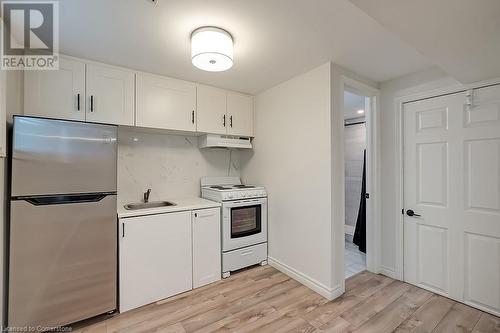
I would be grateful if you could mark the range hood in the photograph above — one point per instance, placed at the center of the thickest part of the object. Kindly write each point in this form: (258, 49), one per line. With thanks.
(224, 141)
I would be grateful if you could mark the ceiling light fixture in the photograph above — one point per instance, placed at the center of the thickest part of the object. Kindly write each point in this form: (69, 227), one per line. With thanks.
(361, 111)
(212, 49)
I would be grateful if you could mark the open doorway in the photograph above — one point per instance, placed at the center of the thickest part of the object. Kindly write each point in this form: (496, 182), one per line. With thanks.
(356, 108)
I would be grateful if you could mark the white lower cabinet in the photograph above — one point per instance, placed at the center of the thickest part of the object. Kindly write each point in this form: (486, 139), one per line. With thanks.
(167, 254)
(206, 247)
(155, 258)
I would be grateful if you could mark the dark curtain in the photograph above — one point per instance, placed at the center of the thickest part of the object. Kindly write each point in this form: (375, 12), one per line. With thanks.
(360, 232)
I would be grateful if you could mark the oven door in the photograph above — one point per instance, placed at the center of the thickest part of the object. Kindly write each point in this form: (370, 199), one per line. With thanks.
(244, 223)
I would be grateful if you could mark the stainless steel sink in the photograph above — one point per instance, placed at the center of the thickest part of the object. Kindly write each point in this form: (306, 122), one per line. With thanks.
(147, 205)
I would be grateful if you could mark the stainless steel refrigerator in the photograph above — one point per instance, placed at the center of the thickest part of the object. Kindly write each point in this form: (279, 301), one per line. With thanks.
(63, 228)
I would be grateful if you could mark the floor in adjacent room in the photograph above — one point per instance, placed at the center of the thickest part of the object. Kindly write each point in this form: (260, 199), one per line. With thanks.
(354, 259)
(264, 300)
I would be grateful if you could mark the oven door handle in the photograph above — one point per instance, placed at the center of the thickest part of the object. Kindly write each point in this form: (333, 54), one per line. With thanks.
(244, 203)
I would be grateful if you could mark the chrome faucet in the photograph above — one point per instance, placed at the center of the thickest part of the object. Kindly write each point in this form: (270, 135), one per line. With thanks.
(146, 195)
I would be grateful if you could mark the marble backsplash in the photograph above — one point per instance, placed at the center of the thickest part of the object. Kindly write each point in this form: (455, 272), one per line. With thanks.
(171, 165)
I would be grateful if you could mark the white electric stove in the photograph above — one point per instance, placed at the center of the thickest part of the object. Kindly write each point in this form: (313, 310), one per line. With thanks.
(244, 221)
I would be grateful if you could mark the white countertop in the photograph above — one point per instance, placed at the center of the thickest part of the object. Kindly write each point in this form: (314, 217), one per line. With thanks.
(183, 204)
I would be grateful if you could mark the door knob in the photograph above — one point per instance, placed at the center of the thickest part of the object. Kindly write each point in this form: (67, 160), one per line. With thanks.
(411, 213)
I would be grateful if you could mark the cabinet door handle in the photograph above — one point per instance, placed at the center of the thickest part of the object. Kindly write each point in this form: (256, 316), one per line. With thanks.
(231, 121)
(192, 116)
(224, 121)
(92, 103)
(204, 215)
(123, 230)
(78, 102)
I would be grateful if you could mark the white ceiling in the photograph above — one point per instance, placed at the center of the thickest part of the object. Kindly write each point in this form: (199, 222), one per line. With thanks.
(353, 103)
(274, 39)
(460, 36)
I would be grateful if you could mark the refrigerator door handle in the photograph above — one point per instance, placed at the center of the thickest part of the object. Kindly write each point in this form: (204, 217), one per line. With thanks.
(64, 199)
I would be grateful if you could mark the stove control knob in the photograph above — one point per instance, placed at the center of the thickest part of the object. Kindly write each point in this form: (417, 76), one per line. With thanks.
(229, 196)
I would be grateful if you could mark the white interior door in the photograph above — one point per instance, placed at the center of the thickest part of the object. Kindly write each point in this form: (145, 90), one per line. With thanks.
(452, 180)
(479, 171)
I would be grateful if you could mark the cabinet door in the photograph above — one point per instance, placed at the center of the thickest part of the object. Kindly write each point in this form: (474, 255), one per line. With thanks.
(166, 103)
(155, 258)
(110, 95)
(211, 108)
(240, 114)
(206, 247)
(56, 94)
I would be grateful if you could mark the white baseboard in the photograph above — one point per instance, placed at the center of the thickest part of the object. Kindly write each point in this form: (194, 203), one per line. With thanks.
(389, 273)
(311, 283)
(349, 229)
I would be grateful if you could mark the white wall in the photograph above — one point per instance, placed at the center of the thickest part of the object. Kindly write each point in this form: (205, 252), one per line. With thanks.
(171, 165)
(292, 158)
(3, 163)
(11, 102)
(298, 155)
(424, 81)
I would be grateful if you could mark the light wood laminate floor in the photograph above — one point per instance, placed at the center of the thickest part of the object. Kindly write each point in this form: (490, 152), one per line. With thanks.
(265, 300)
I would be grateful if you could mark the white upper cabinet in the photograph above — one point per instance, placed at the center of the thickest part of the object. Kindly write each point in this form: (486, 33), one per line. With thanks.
(206, 247)
(56, 94)
(211, 103)
(240, 114)
(224, 112)
(89, 91)
(110, 95)
(165, 103)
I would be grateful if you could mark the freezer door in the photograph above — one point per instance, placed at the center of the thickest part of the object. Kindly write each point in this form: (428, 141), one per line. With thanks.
(63, 261)
(62, 157)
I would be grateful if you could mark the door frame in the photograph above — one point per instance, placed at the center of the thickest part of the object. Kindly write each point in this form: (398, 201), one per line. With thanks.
(399, 103)
(373, 226)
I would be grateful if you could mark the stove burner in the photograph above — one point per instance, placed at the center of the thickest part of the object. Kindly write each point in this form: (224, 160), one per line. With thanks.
(243, 186)
(220, 188)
